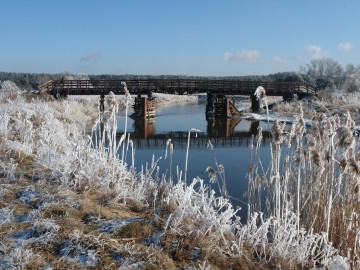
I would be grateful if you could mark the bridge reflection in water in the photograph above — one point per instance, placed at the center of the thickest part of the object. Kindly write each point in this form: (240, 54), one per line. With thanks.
(221, 133)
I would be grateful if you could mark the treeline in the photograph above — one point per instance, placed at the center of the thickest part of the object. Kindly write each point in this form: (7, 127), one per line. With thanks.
(28, 81)
(282, 76)
(321, 74)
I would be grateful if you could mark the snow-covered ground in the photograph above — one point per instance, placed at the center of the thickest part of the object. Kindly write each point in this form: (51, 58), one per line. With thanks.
(274, 116)
(160, 99)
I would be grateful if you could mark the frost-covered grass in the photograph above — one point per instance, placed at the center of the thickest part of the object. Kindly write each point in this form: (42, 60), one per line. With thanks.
(315, 175)
(160, 99)
(338, 102)
(67, 199)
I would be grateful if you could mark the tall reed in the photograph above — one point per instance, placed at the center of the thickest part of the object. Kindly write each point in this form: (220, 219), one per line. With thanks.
(260, 94)
(187, 150)
(315, 174)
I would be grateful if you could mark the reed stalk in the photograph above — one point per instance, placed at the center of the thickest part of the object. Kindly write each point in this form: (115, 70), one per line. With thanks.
(187, 151)
(316, 180)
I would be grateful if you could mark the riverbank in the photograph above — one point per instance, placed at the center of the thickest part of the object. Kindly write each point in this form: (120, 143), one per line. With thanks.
(68, 203)
(160, 99)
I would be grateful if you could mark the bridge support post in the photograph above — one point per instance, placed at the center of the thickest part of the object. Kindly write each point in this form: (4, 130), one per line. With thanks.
(254, 127)
(210, 106)
(288, 96)
(220, 107)
(231, 110)
(102, 109)
(144, 107)
(255, 103)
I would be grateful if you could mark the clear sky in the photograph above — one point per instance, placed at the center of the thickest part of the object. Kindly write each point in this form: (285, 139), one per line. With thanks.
(184, 37)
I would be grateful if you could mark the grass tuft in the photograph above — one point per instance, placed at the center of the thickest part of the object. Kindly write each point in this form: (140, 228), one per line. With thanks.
(135, 231)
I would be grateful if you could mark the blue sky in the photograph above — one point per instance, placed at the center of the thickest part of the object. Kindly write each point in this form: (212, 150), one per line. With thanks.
(185, 37)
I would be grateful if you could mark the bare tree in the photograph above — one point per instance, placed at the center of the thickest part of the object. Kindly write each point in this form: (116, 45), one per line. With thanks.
(352, 82)
(324, 72)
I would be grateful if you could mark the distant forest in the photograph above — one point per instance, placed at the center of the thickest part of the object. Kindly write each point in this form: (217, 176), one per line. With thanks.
(321, 74)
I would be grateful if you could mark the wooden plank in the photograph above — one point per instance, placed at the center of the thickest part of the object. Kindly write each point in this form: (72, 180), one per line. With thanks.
(172, 85)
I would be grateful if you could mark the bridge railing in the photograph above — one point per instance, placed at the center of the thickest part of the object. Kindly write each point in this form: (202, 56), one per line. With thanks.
(46, 87)
(179, 139)
(179, 86)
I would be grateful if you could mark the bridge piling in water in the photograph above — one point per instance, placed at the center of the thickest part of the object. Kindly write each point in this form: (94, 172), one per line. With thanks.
(255, 103)
(220, 106)
(144, 107)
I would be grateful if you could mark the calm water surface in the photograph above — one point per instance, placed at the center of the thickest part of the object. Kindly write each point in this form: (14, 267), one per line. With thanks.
(230, 138)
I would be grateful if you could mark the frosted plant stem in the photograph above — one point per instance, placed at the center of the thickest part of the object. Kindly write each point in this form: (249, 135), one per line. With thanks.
(114, 139)
(298, 200)
(187, 156)
(278, 187)
(171, 173)
(125, 130)
(132, 155)
(187, 151)
(267, 110)
(331, 178)
(298, 191)
(329, 214)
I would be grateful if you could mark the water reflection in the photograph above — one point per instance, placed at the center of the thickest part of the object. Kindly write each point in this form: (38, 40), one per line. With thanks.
(143, 128)
(221, 132)
(231, 139)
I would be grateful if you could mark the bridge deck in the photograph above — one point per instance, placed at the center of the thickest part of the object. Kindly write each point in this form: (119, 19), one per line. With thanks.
(173, 86)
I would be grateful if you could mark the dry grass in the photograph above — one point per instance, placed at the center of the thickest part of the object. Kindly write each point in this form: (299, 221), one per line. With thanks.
(328, 103)
(318, 178)
(137, 230)
(31, 97)
(73, 218)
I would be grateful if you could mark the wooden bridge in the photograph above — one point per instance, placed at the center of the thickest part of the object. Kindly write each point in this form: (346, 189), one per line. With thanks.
(173, 86)
(217, 90)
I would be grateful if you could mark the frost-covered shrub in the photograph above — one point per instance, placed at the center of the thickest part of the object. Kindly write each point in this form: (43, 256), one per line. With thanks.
(352, 82)
(19, 258)
(272, 239)
(6, 215)
(205, 212)
(80, 249)
(43, 231)
(9, 91)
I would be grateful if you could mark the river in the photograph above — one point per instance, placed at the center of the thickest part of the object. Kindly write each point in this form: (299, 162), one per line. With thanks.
(230, 139)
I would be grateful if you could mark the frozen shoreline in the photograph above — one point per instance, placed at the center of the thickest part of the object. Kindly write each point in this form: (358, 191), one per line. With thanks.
(160, 99)
(243, 106)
